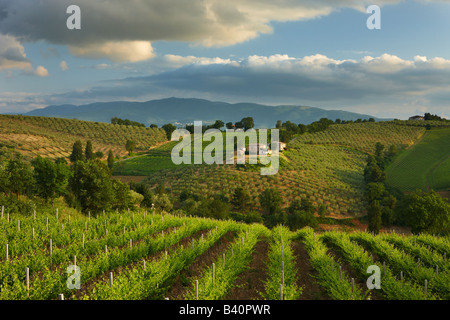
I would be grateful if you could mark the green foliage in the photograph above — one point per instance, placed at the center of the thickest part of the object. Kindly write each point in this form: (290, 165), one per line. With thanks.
(288, 129)
(51, 177)
(301, 214)
(373, 172)
(122, 198)
(433, 117)
(171, 244)
(241, 200)
(162, 202)
(144, 190)
(270, 200)
(363, 136)
(77, 152)
(337, 284)
(110, 160)
(126, 122)
(374, 215)
(130, 146)
(169, 129)
(89, 151)
(245, 123)
(92, 186)
(281, 267)
(20, 176)
(424, 212)
(379, 154)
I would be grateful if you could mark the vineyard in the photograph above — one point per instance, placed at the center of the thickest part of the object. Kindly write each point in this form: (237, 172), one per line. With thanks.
(135, 255)
(424, 166)
(54, 137)
(325, 167)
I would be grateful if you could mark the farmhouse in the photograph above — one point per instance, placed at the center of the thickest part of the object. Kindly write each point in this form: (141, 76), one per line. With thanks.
(281, 144)
(263, 149)
(416, 118)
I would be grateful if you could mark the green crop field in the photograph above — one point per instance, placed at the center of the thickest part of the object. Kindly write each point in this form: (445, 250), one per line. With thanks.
(150, 254)
(325, 167)
(140, 255)
(153, 161)
(426, 165)
(54, 137)
(159, 158)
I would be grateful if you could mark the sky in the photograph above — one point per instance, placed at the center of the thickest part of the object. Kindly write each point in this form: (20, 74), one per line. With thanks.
(299, 52)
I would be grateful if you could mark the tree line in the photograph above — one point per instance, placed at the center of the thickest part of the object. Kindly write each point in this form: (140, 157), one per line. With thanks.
(422, 211)
(288, 129)
(238, 206)
(85, 182)
(126, 122)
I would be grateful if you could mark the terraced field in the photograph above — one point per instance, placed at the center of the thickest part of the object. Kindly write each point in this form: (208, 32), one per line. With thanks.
(150, 255)
(54, 137)
(326, 167)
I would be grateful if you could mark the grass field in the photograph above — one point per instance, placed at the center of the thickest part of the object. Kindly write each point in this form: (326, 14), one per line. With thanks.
(153, 161)
(160, 158)
(424, 166)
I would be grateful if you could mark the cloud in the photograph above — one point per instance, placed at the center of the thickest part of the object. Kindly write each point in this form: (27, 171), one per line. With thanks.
(41, 72)
(12, 54)
(121, 31)
(384, 86)
(387, 82)
(21, 101)
(63, 65)
(127, 51)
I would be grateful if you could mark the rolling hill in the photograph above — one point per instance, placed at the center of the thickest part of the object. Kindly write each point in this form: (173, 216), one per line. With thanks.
(425, 165)
(183, 111)
(326, 167)
(54, 137)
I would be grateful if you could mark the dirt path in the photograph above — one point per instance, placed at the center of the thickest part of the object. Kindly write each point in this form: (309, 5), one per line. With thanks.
(250, 283)
(311, 290)
(104, 277)
(183, 281)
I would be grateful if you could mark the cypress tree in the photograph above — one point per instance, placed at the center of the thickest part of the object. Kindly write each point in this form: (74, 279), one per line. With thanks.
(77, 152)
(89, 152)
(110, 160)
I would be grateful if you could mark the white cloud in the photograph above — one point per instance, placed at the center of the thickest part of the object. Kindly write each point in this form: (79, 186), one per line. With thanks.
(41, 72)
(386, 63)
(127, 51)
(385, 86)
(63, 65)
(177, 61)
(21, 101)
(310, 79)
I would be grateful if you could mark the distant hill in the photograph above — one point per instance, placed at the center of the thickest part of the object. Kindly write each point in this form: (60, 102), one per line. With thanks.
(182, 111)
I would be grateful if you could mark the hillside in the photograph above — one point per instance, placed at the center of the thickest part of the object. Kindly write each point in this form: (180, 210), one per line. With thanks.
(182, 111)
(424, 166)
(157, 256)
(54, 137)
(325, 167)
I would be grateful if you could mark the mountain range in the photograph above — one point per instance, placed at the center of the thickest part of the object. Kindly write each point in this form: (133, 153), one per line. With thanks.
(180, 111)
